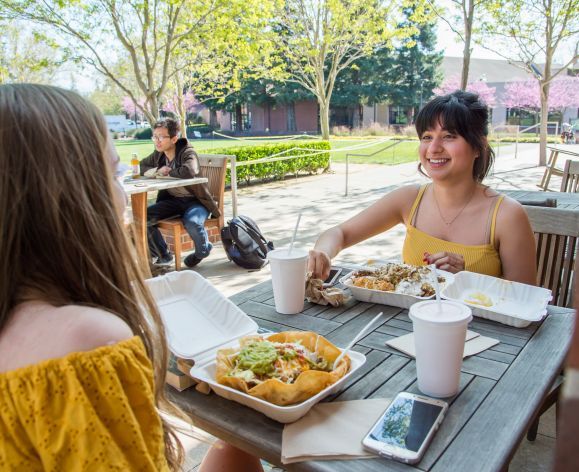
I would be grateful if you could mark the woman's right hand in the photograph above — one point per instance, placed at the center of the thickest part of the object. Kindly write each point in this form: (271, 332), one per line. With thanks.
(319, 264)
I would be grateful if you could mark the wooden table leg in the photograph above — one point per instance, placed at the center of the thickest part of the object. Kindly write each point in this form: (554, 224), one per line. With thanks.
(139, 207)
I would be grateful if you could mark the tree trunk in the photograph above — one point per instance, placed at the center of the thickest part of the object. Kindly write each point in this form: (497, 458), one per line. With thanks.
(238, 118)
(182, 116)
(543, 128)
(291, 116)
(468, 16)
(324, 119)
(213, 119)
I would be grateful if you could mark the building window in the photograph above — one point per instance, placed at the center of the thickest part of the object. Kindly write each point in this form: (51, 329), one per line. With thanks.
(244, 114)
(398, 116)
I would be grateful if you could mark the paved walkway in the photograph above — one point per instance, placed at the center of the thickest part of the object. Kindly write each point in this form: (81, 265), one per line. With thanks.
(321, 200)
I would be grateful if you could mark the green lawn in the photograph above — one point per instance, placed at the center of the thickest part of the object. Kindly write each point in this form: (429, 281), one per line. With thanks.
(366, 151)
(370, 152)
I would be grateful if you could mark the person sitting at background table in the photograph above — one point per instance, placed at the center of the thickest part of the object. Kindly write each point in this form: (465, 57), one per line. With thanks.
(455, 221)
(83, 354)
(175, 157)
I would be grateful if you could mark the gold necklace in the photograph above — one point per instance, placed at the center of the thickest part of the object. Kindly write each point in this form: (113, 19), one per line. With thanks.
(448, 223)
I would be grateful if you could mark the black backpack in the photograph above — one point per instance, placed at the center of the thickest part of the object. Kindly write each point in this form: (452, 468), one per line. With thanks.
(244, 244)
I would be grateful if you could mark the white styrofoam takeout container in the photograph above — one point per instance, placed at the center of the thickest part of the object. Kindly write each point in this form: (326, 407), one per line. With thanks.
(387, 298)
(284, 414)
(514, 304)
(199, 320)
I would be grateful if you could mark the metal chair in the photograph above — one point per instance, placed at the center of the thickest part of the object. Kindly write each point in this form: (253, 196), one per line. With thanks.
(570, 181)
(214, 168)
(557, 234)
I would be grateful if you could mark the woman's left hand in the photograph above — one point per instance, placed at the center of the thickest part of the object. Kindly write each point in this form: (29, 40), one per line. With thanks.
(448, 261)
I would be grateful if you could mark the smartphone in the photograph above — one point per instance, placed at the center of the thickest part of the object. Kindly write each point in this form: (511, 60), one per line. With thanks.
(333, 277)
(406, 427)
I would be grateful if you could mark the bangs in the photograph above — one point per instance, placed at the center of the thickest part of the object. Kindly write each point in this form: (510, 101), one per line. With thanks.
(448, 111)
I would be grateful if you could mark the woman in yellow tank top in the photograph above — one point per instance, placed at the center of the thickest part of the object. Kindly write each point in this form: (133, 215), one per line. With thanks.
(82, 346)
(455, 222)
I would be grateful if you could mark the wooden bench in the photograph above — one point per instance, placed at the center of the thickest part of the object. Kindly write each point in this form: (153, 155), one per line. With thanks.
(214, 168)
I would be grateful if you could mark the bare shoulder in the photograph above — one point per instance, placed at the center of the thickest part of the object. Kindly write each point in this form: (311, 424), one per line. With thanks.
(38, 332)
(94, 327)
(407, 191)
(512, 220)
(402, 197)
(511, 211)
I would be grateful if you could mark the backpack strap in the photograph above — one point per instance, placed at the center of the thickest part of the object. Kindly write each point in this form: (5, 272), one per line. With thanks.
(255, 235)
(252, 231)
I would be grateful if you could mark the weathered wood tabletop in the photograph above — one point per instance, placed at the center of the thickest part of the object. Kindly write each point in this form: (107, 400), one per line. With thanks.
(565, 200)
(500, 389)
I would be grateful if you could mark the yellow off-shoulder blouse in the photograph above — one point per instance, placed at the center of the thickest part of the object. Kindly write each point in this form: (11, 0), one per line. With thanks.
(90, 410)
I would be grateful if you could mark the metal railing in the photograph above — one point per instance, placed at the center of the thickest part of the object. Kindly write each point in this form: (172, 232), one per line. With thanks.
(498, 140)
(234, 164)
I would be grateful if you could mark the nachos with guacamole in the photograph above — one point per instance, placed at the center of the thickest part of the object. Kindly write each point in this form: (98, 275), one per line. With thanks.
(284, 369)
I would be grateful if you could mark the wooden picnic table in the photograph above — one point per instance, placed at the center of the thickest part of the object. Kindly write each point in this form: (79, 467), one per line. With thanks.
(500, 388)
(138, 189)
(565, 200)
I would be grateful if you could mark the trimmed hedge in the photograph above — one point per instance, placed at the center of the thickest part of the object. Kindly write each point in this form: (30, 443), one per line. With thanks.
(144, 133)
(278, 169)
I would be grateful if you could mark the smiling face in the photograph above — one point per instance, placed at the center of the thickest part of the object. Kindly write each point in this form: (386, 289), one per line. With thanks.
(444, 154)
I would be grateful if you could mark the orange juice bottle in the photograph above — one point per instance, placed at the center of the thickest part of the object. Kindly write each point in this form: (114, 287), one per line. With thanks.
(135, 166)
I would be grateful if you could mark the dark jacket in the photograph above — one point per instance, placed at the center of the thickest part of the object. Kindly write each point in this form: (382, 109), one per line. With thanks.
(186, 167)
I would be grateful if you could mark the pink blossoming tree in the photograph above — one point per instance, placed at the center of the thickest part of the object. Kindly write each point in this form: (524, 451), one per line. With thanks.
(135, 111)
(487, 94)
(563, 93)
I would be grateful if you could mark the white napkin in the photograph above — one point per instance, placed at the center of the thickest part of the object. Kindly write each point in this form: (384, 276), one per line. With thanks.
(331, 431)
(474, 344)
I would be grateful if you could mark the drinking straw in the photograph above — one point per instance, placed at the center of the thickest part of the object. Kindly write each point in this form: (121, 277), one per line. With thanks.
(436, 286)
(294, 235)
(362, 332)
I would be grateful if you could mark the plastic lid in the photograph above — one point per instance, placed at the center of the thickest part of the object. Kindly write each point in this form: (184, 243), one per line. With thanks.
(282, 254)
(444, 312)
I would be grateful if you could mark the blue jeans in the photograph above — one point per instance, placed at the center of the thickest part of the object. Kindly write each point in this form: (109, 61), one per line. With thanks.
(193, 214)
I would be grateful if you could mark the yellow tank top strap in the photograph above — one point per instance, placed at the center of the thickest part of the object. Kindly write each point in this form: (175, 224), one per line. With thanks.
(421, 191)
(494, 219)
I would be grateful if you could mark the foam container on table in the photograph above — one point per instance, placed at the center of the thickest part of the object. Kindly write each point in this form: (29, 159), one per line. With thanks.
(388, 298)
(199, 320)
(514, 304)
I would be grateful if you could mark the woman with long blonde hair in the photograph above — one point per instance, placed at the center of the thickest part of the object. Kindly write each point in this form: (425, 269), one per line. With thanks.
(82, 347)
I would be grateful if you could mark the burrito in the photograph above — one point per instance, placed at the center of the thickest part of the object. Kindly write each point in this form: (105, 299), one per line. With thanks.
(284, 369)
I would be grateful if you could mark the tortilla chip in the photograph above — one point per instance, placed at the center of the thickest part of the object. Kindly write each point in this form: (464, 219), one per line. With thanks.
(308, 383)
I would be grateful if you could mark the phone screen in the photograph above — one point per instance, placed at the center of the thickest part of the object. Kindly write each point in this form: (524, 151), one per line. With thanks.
(333, 276)
(406, 423)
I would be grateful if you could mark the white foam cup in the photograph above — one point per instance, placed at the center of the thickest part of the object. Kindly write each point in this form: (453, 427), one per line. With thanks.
(439, 337)
(288, 275)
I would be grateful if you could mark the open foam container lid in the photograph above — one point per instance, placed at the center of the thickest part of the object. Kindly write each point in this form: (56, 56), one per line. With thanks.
(198, 318)
(512, 302)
